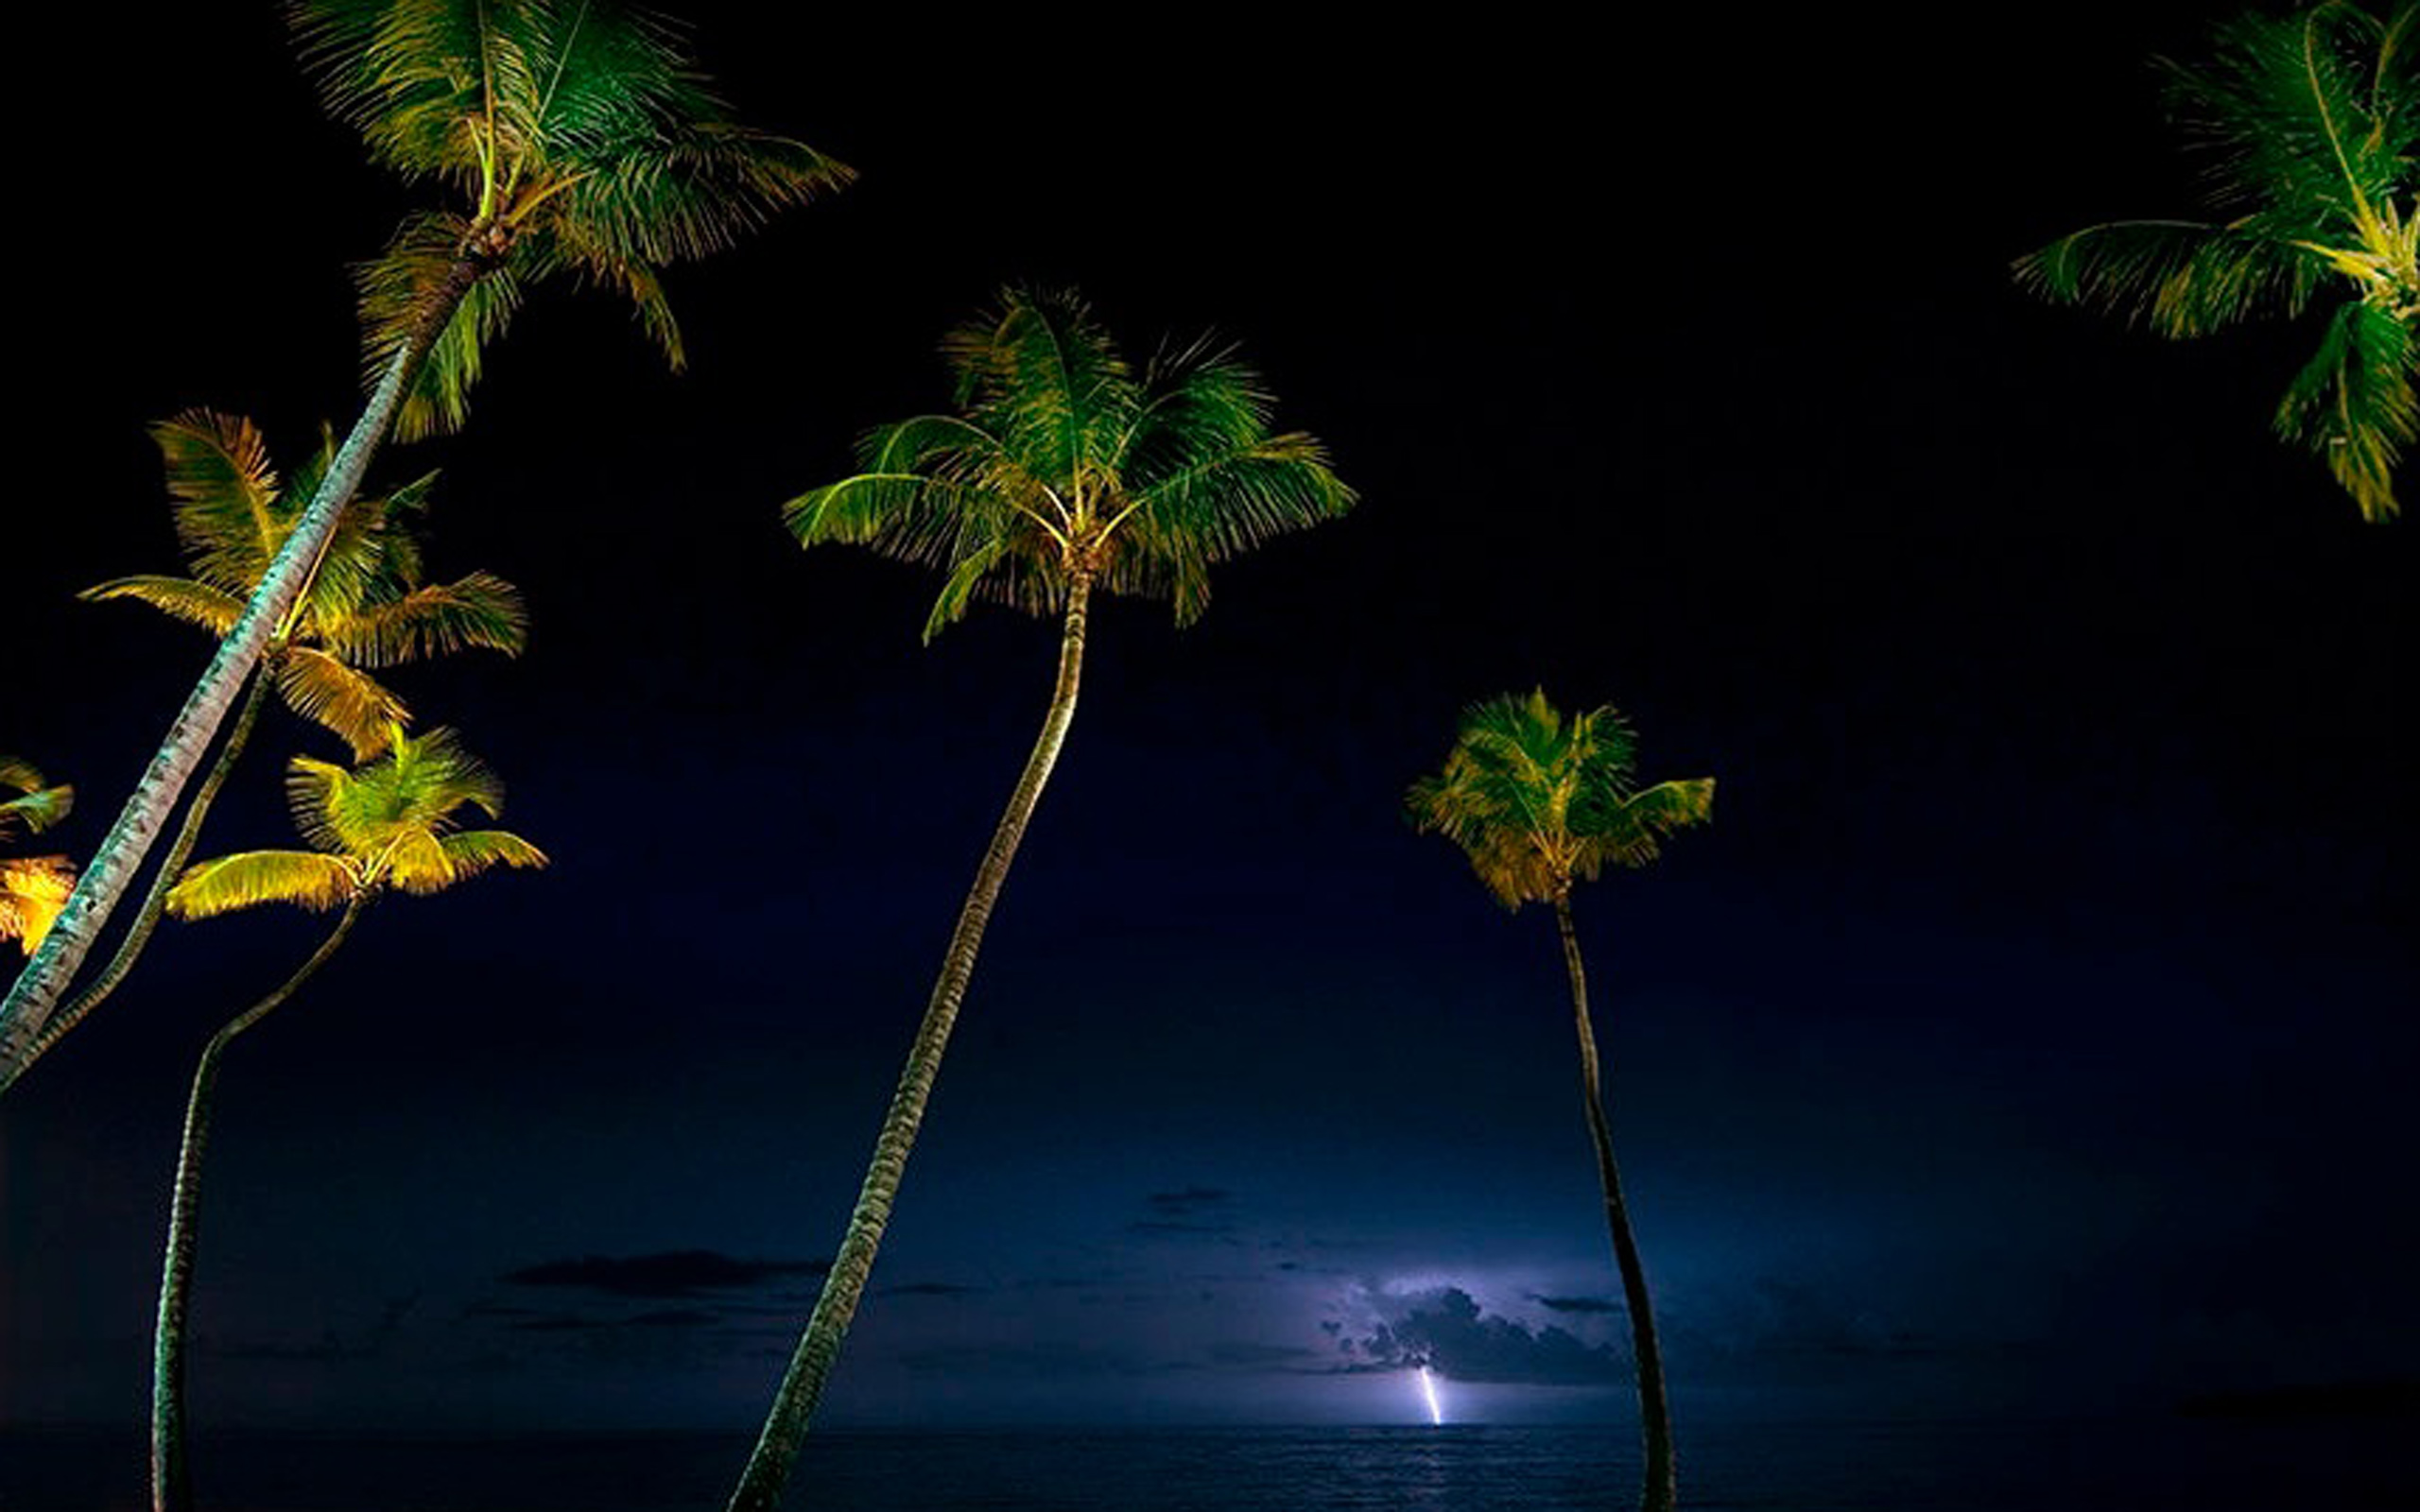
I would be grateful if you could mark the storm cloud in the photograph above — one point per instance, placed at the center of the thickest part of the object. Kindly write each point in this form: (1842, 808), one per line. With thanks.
(1445, 1330)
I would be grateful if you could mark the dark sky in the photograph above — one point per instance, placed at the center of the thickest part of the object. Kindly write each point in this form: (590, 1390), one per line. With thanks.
(2032, 1030)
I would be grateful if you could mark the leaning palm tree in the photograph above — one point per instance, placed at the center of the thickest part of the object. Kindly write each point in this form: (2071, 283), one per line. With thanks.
(1062, 472)
(1538, 803)
(579, 139)
(31, 888)
(366, 606)
(2311, 122)
(386, 826)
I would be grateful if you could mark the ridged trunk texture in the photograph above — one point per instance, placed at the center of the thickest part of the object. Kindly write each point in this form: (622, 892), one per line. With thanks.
(1661, 1489)
(171, 1477)
(768, 1467)
(155, 902)
(32, 1001)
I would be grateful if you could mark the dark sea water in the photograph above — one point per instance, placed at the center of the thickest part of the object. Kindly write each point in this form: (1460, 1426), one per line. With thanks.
(2183, 1464)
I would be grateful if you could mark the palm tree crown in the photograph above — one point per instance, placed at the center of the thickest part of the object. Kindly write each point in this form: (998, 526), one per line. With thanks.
(2311, 126)
(389, 823)
(579, 138)
(1064, 464)
(31, 888)
(366, 605)
(1537, 801)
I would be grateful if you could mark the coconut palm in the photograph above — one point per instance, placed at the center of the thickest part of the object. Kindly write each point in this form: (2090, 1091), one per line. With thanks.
(1062, 472)
(366, 606)
(1538, 803)
(577, 139)
(31, 888)
(388, 826)
(2312, 121)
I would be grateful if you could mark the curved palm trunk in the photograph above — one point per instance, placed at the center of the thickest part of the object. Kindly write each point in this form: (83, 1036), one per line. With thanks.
(768, 1467)
(31, 1002)
(171, 1481)
(1660, 1489)
(155, 902)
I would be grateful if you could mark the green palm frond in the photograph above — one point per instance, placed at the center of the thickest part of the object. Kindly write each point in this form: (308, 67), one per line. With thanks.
(2309, 124)
(2186, 278)
(480, 611)
(1536, 801)
(180, 598)
(580, 138)
(246, 878)
(351, 705)
(1064, 464)
(33, 889)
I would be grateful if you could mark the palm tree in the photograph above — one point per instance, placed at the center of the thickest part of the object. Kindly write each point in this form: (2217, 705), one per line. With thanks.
(366, 606)
(1539, 803)
(580, 138)
(2313, 125)
(31, 888)
(387, 825)
(1064, 470)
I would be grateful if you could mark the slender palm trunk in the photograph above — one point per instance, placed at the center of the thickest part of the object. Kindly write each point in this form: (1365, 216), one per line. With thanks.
(31, 1002)
(154, 902)
(171, 1479)
(1660, 1489)
(768, 1467)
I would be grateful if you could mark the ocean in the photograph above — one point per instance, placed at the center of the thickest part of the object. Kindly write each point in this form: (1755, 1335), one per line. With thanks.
(2149, 1465)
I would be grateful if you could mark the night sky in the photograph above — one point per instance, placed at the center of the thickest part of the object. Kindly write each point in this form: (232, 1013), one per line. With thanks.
(2031, 1031)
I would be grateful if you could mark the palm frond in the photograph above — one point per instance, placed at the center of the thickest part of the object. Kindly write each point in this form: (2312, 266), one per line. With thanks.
(225, 494)
(2354, 403)
(411, 790)
(249, 878)
(1628, 833)
(472, 851)
(396, 290)
(37, 805)
(33, 890)
(693, 188)
(2186, 278)
(438, 88)
(1042, 374)
(352, 705)
(180, 598)
(478, 610)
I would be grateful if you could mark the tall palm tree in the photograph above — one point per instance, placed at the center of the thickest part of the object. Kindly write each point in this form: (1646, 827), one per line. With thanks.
(2311, 123)
(1064, 470)
(386, 826)
(31, 888)
(579, 139)
(1538, 803)
(365, 606)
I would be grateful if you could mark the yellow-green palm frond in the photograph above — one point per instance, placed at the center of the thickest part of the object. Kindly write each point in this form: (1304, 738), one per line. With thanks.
(409, 793)
(225, 496)
(33, 889)
(438, 862)
(1536, 801)
(1065, 463)
(1629, 832)
(180, 598)
(37, 805)
(2355, 404)
(480, 611)
(246, 878)
(352, 705)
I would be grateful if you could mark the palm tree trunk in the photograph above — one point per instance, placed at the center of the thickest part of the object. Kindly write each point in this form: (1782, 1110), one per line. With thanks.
(171, 1480)
(768, 1467)
(154, 902)
(31, 1002)
(1660, 1489)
